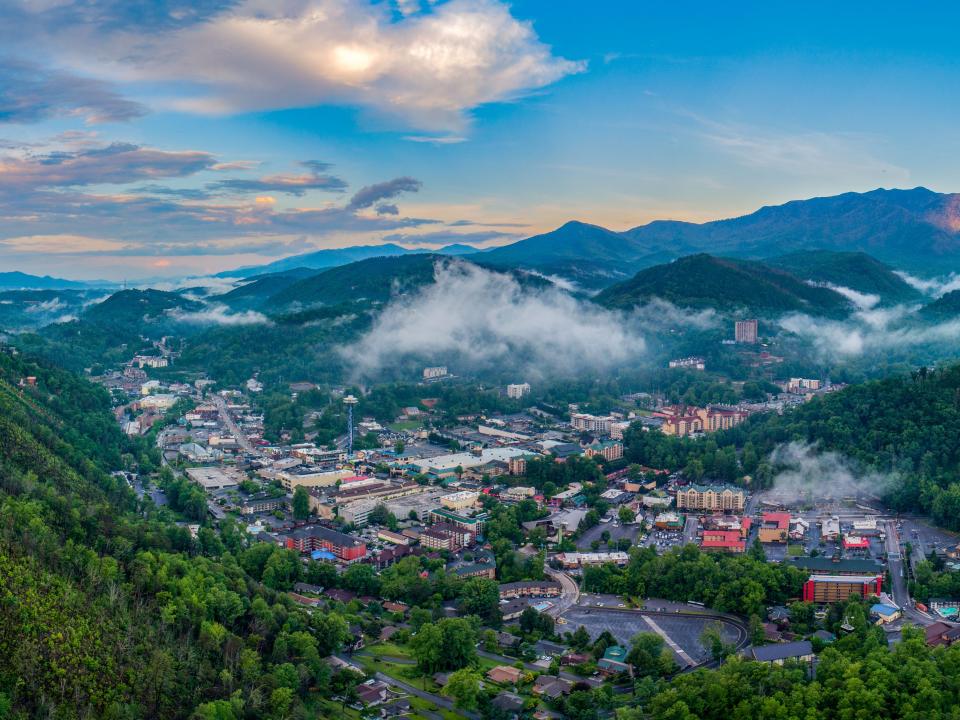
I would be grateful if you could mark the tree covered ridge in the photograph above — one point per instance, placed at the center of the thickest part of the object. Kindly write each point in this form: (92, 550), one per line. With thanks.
(106, 607)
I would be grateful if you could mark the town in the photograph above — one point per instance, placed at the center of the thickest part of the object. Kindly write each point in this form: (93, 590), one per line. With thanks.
(534, 517)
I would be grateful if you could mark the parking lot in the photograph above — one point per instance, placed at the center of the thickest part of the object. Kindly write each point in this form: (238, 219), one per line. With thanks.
(683, 630)
(617, 531)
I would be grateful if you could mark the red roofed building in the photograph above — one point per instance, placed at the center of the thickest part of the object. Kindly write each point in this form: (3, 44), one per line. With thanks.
(723, 541)
(774, 527)
(855, 543)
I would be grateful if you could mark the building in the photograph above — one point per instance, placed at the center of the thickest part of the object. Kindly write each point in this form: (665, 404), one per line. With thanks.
(609, 450)
(779, 653)
(460, 500)
(682, 421)
(745, 331)
(530, 588)
(392, 537)
(446, 466)
(215, 478)
(614, 661)
(516, 494)
(830, 528)
(837, 588)
(855, 544)
(689, 363)
(800, 386)
(723, 541)
(668, 521)
(316, 537)
(151, 361)
(308, 477)
(505, 674)
(161, 402)
(711, 497)
(517, 466)
(473, 523)
(579, 559)
(774, 527)
(885, 613)
(516, 392)
(552, 687)
(262, 502)
(941, 633)
(591, 423)
(618, 428)
(434, 373)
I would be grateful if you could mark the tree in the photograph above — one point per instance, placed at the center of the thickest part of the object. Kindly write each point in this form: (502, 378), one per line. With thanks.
(713, 641)
(481, 597)
(398, 447)
(301, 503)
(648, 656)
(626, 515)
(464, 687)
(580, 639)
(362, 579)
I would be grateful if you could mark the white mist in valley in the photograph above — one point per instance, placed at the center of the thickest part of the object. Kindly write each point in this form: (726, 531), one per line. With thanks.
(479, 318)
(804, 472)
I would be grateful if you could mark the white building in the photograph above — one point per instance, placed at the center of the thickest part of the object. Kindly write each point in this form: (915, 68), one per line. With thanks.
(691, 363)
(432, 373)
(591, 423)
(517, 391)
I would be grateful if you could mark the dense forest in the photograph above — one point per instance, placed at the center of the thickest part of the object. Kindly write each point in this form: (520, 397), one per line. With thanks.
(107, 607)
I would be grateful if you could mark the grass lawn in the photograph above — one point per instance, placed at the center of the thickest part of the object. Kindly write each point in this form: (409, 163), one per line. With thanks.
(405, 425)
(388, 650)
(795, 550)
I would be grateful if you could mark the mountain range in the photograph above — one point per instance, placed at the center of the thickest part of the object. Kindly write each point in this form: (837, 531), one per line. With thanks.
(916, 230)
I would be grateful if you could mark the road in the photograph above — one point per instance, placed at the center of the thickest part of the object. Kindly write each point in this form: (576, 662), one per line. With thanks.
(690, 529)
(569, 593)
(228, 422)
(901, 594)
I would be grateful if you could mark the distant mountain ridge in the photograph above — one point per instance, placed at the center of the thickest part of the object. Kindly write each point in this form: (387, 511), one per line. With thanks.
(335, 257)
(915, 229)
(22, 281)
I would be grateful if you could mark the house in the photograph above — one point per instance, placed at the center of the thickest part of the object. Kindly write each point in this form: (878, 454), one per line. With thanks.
(799, 650)
(941, 633)
(509, 703)
(614, 660)
(575, 659)
(552, 687)
(441, 678)
(373, 692)
(505, 674)
(885, 613)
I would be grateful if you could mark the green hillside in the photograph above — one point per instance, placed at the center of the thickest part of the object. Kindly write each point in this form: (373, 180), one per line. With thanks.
(705, 281)
(373, 280)
(855, 270)
(946, 307)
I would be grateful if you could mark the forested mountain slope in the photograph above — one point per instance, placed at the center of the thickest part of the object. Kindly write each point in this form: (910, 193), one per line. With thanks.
(110, 610)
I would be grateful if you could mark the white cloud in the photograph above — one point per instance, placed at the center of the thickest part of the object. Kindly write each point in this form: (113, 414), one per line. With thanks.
(478, 318)
(220, 315)
(805, 472)
(864, 301)
(867, 332)
(429, 68)
(934, 287)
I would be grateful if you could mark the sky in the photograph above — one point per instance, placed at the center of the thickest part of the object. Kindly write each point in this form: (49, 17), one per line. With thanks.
(176, 137)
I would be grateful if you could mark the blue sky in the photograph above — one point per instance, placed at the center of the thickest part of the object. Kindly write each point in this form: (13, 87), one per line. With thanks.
(140, 139)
